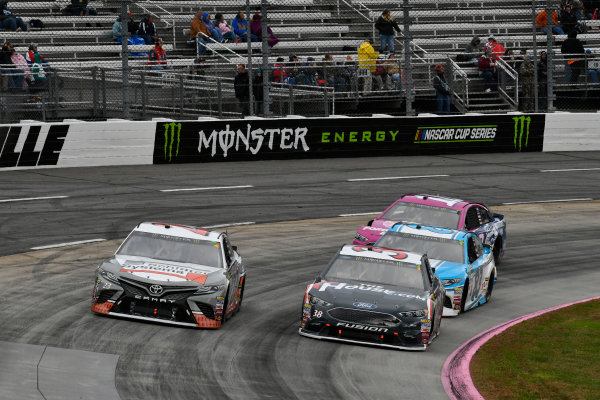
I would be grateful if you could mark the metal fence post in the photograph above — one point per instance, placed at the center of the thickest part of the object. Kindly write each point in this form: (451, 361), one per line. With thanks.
(550, 55)
(326, 101)
(103, 79)
(249, 70)
(535, 59)
(95, 90)
(407, 59)
(265, 60)
(291, 100)
(125, 60)
(220, 98)
(55, 95)
(181, 96)
(143, 82)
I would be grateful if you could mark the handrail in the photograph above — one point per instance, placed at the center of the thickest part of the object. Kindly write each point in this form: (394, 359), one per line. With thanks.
(219, 44)
(456, 69)
(508, 71)
(148, 12)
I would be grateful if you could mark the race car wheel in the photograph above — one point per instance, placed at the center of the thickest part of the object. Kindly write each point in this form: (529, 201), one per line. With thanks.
(496, 250)
(239, 306)
(488, 295)
(225, 316)
(463, 299)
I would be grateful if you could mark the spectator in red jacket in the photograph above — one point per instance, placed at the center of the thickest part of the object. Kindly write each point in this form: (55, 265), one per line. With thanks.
(157, 58)
(280, 73)
(497, 49)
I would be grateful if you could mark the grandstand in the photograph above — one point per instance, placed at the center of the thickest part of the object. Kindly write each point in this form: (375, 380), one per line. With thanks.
(86, 80)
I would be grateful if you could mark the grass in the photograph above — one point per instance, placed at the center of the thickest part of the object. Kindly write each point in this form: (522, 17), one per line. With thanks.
(554, 356)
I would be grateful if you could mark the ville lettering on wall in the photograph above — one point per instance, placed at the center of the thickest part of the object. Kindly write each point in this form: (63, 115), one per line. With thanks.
(28, 146)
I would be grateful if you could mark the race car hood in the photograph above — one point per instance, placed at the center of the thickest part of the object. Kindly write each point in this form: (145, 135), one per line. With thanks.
(382, 298)
(373, 232)
(448, 270)
(160, 271)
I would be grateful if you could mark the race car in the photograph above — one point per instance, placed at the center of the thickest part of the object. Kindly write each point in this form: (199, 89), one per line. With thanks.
(465, 266)
(442, 212)
(376, 296)
(174, 274)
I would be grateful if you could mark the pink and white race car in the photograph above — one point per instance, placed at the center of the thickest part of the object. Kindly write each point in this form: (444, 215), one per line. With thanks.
(440, 212)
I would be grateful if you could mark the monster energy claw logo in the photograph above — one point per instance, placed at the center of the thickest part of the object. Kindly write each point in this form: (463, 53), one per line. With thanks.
(520, 130)
(170, 139)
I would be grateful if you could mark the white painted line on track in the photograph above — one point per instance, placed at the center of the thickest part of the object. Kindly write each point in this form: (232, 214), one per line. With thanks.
(385, 178)
(207, 188)
(546, 201)
(226, 225)
(51, 246)
(569, 170)
(34, 198)
(359, 214)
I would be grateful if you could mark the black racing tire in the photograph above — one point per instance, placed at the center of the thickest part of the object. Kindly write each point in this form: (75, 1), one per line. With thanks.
(496, 250)
(225, 317)
(488, 294)
(239, 307)
(463, 299)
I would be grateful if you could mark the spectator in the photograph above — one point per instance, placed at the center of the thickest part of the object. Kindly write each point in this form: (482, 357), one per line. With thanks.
(157, 58)
(199, 32)
(8, 21)
(240, 27)
(226, 31)
(332, 74)
(577, 6)
(257, 91)
(487, 68)
(527, 84)
(256, 30)
(147, 30)
(117, 30)
(132, 27)
(280, 73)
(242, 89)
(7, 68)
(496, 48)
(442, 91)
(80, 8)
(392, 68)
(367, 57)
(543, 80)
(33, 56)
(215, 33)
(379, 75)
(294, 70)
(574, 54)
(310, 71)
(349, 71)
(591, 9)
(593, 69)
(21, 66)
(542, 22)
(568, 20)
(474, 50)
(386, 25)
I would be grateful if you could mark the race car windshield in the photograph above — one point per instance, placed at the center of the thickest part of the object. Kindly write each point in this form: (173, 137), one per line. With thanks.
(172, 248)
(371, 270)
(423, 214)
(435, 248)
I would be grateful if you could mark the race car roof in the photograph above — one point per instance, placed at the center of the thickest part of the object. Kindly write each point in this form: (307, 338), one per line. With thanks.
(437, 201)
(190, 232)
(381, 253)
(430, 231)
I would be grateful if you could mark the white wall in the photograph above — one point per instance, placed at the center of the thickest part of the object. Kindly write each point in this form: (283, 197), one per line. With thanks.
(572, 132)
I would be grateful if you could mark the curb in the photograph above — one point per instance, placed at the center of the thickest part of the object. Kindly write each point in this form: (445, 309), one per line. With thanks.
(456, 376)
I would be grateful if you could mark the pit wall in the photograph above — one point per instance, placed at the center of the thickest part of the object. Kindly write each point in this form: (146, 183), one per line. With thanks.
(117, 142)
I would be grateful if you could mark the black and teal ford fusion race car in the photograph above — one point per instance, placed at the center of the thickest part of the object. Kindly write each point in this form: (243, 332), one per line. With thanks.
(377, 296)
(175, 274)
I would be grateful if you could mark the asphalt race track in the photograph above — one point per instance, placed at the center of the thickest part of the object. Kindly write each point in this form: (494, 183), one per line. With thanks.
(296, 207)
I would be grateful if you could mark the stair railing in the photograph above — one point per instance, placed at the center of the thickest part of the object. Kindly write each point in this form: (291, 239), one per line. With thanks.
(459, 83)
(508, 83)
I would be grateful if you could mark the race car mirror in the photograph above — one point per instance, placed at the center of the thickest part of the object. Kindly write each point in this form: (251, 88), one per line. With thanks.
(370, 223)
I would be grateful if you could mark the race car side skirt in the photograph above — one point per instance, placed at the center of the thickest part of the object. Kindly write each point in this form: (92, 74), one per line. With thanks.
(303, 333)
(162, 321)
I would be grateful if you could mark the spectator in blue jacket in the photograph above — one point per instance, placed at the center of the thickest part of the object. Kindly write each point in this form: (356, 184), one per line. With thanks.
(240, 27)
(8, 21)
(147, 30)
(215, 32)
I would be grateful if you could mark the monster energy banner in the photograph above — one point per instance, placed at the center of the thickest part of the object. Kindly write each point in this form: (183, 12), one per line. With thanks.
(195, 141)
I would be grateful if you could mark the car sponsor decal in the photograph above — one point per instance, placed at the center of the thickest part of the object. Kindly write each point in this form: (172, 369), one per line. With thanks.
(361, 327)
(220, 303)
(366, 306)
(446, 200)
(191, 274)
(306, 307)
(199, 231)
(366, 287)
(398, 255)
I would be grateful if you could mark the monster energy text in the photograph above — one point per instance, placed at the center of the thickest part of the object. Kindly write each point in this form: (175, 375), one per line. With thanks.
(521, 129)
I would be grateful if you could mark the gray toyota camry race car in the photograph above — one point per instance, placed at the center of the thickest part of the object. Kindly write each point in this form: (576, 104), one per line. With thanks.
(175, 274)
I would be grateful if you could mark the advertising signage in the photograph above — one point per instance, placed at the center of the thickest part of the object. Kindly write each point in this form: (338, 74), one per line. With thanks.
(200, 141)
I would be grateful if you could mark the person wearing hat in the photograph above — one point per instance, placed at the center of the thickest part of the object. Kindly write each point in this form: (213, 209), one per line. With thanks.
(367, 57)
(257, 90)
(487, 69)
(442, 91)
(311, 70)
(496, 48)
(526, 76)
(256, 30)
(474, 50)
